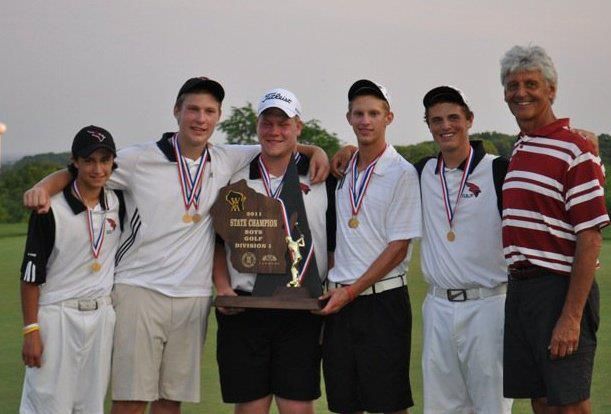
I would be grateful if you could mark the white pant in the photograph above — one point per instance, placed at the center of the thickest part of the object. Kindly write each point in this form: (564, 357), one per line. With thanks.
(462, 356)
(75, 367)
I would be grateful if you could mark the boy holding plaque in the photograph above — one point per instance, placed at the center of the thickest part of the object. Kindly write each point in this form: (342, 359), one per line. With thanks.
(367, 337)
(268, 354)
(66, 279)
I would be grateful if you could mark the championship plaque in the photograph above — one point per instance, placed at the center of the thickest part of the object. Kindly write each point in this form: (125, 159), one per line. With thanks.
(253, 226)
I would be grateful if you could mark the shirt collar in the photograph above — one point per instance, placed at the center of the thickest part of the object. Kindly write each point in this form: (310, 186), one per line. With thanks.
(77, 205)
(165, 146)
(549, 129)
(385, 160)
(478, 154)
(303, 165)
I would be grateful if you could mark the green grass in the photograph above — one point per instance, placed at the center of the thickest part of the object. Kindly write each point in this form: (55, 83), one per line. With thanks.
(12, 238)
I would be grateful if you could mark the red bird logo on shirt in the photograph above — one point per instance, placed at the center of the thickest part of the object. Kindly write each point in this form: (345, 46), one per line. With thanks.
(474, 189)
(304, 188)
(112, 223)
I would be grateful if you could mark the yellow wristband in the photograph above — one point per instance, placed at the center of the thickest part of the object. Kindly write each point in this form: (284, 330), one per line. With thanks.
(31, 328)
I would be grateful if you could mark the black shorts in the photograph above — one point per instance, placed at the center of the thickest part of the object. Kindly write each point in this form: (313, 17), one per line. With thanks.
(532, 309)
(366, 352)
(263, 352)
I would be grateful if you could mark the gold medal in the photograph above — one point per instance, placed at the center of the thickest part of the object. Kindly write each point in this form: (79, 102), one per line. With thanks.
(451, 236)
(353, 223)
(96, 266)
(196, 218)
(186, 218)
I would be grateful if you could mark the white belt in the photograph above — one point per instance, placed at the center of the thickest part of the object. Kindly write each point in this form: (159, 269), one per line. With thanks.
(462, 295)
(380, 286)
(87, 304)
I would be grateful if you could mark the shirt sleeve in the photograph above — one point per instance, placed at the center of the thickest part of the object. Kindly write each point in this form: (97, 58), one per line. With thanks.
(38, 247)
(404, 218)
(584, 195)
(239, 156)
(127, 159)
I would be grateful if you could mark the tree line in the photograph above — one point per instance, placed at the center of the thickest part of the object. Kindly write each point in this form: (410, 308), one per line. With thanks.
(240, 128)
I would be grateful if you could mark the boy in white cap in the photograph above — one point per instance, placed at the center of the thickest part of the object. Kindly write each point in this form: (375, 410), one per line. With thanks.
(275, 354)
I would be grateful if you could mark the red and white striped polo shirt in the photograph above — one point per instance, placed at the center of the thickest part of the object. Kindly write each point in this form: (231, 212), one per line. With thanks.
(552, 191)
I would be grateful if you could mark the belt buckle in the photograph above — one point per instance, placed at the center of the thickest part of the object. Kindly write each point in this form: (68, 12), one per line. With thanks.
(457, 295)
(85, 305)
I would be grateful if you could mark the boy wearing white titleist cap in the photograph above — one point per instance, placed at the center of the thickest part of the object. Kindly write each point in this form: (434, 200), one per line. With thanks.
(66, 279)
(462, 261)
(367, 336)
(163, 282)
(274, 354)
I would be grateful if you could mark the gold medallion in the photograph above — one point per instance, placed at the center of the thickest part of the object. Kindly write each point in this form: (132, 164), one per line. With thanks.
(196, 218)
(353, 223)
(96, 266)
(186, 218)
(451, 236)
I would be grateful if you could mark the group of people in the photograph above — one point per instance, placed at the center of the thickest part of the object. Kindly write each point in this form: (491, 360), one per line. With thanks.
(509, 249)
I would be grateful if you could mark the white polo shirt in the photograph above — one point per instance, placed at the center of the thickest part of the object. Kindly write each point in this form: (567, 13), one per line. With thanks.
(390, 211)
(158, 250)
(475, 258)
(58, 253)
(316, 203)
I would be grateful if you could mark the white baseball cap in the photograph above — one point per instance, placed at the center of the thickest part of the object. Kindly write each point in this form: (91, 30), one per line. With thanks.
(281, 99)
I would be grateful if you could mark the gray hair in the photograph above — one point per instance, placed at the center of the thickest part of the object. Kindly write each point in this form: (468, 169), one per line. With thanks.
(523, 58)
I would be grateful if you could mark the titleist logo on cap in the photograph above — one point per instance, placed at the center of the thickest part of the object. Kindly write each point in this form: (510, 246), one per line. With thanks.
(276, 95)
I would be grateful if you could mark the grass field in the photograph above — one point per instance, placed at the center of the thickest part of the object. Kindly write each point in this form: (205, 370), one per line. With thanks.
(12, 238)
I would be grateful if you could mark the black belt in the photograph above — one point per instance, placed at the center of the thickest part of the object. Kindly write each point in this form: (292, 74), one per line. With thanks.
(528, 272)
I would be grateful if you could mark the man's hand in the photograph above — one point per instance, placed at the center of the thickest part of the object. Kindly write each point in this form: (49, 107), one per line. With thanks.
(338, 298)
(319, 166)
(340, 160)
(31, 352)
(37, 198)
(590, 136)
(228, 311)
(565, 337)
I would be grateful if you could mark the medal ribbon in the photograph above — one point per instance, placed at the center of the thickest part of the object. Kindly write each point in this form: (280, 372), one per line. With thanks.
(267, 182)
(95, 241)
(357, 193)
(190, 185)
(451, 213)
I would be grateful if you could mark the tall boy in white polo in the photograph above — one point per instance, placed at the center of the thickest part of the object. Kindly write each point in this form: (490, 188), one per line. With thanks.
(67, 276)
(367, 337)
(463, 264)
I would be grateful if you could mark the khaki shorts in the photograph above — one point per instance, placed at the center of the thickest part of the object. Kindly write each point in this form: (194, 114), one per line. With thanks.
(157, 345)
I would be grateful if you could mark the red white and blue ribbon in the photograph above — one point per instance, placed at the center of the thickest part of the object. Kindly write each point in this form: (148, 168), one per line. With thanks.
(96, 241)
(267, 181)
(190, 185)
(356, 191)
(451, 212)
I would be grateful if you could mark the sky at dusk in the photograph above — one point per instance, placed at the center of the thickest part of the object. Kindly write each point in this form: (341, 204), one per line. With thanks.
(119, 64)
